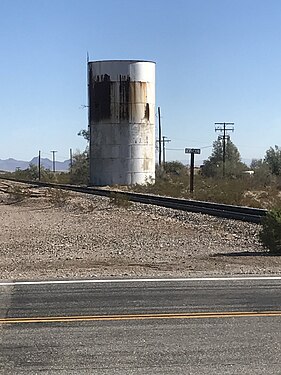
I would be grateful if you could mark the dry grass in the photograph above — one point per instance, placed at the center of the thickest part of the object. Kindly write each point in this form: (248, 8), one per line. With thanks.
(249, 191)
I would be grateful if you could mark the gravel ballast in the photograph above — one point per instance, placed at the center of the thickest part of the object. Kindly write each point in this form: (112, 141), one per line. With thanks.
(90, 237)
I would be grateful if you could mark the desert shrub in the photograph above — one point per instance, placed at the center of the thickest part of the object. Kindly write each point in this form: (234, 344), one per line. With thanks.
(120, 200)
(171, 180)
(32, 174)
(270, 235)
(262, 176)
(58, 197)
(174, 168)
(57, 177)
(227, 191)
(17, 193)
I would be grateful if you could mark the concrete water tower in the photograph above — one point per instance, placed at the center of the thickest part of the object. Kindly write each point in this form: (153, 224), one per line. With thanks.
(122, 121)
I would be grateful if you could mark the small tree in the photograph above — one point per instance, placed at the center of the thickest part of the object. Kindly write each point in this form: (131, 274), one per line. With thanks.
(85, 134)
(213, 167)
(262, 174)
(80, 171)
(80, 168)
(256, 164)
(273, 160)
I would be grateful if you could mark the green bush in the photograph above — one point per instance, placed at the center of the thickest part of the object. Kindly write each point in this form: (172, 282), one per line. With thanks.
(270, 234)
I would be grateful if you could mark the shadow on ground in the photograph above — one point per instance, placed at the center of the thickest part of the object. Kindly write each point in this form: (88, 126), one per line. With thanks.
(264, 253)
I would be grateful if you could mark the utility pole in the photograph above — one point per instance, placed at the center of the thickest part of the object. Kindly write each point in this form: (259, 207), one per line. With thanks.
(224, 127)
(39, 165)
(160, 136)
(89, 118)
(164, 141)
(71, 159)
(54, 161)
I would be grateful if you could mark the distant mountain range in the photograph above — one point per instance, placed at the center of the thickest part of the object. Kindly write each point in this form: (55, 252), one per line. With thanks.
(10, 165)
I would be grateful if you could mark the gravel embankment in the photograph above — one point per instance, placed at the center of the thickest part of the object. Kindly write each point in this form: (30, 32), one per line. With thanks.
(89, 237)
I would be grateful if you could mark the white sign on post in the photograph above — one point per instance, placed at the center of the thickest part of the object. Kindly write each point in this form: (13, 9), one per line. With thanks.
(192, 151)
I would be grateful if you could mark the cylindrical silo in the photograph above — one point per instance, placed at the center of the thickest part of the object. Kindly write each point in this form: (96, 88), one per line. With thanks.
(122, 121)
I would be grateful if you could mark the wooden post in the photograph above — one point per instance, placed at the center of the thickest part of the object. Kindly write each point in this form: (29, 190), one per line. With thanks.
(191, 172)
(39, 166)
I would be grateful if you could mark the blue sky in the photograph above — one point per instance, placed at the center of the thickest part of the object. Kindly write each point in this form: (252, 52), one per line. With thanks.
(217, 60)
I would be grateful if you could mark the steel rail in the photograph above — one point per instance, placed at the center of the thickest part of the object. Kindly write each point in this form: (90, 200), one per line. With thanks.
(249, 214)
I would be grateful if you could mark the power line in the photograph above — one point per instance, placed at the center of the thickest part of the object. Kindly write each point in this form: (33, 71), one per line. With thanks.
(182, 149)
(175, 149)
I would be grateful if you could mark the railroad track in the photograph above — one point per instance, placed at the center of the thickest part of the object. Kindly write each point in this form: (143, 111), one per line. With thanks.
(249, 214)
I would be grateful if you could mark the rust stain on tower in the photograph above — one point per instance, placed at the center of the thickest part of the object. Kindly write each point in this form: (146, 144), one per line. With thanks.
(100, 97)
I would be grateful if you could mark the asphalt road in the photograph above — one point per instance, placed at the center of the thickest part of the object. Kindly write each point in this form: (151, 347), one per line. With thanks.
(141, 327)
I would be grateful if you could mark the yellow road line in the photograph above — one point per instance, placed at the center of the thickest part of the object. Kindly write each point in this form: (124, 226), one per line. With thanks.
(197, 315)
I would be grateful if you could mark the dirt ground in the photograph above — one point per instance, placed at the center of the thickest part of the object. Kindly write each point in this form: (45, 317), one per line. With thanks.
(48, 235)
